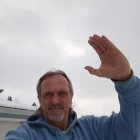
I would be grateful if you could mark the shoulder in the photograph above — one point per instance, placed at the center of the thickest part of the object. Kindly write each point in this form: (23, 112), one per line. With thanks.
(97, 121)
(19, 133)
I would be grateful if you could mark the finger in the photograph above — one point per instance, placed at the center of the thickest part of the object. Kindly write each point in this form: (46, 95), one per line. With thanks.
(108, 44)
(95, 47)
(99, 42)
(93, 71)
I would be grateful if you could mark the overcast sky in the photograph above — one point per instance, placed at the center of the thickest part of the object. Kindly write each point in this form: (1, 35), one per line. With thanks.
(39, 35)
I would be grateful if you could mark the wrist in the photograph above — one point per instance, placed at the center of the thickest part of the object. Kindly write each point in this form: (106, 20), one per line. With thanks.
(125, 79)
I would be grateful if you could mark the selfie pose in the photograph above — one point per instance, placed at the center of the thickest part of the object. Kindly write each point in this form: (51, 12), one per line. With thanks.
(56, 120)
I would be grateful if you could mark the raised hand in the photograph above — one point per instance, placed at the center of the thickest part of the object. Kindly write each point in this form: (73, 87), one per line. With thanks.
(114, 65)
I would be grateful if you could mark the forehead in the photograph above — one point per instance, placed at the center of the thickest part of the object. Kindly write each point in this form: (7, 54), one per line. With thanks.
(54, 81)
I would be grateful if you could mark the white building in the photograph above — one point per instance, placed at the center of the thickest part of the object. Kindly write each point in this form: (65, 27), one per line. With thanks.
(12, 114)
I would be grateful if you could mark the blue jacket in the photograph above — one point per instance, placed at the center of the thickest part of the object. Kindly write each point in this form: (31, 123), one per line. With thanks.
(122, 126)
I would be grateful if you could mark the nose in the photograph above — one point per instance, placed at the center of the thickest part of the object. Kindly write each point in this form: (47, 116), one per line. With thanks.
(55, 99)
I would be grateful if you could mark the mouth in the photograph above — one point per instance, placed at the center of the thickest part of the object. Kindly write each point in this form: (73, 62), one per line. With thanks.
(56, 107)
(57, 110)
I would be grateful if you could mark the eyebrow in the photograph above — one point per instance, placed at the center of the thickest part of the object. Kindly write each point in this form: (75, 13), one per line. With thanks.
(62, 90)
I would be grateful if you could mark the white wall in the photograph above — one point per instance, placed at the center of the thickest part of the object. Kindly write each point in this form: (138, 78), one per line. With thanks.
(8, 124)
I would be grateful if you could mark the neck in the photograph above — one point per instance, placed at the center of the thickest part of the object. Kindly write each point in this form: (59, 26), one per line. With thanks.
(59, 124)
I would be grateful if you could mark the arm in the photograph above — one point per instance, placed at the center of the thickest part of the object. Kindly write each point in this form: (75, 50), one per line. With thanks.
(129, 117)
(114, 65)
(124, 125)
(21, 133)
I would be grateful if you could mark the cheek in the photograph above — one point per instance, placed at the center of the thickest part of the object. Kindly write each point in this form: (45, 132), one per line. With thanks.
(43, 102)
(68, 102)
(44, 105)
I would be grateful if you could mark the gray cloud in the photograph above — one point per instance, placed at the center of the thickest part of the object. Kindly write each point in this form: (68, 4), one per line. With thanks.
(36, 36)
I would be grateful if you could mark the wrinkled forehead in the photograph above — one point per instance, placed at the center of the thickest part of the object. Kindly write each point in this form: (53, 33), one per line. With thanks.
(55, 78)
(55, 81)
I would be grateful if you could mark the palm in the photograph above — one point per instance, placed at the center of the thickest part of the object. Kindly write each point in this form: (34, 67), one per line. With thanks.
(114, 64)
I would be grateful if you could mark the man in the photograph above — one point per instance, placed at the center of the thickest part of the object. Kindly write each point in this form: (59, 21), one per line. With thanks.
(55, 119)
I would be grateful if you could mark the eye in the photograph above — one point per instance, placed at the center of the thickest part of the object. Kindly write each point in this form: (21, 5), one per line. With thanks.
(62, 93)
(48, 94)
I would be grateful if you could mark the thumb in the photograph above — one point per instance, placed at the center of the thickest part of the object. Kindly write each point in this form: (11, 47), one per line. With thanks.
(92, 70)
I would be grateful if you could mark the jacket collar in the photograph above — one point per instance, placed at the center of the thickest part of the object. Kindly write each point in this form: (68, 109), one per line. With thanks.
(36, 120)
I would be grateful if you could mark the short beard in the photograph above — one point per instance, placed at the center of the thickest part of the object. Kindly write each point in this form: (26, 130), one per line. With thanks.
(56, 118)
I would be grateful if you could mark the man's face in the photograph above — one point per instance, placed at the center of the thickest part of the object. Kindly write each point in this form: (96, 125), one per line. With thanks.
(55, 98)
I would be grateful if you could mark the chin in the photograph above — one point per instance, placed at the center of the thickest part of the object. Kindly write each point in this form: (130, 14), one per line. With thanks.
(56, 118)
